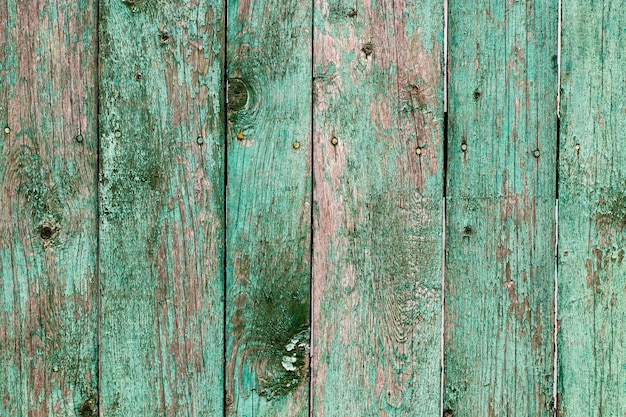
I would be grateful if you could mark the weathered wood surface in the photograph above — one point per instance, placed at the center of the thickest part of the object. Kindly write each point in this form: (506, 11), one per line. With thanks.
(162, 207)
(48, 206)
(268, 208)
(500, 208)
(592, 211)
(378, 89)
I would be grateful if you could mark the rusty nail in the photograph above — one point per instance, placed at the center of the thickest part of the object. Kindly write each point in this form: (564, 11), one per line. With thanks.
(536, 153)
(79, 138)
(240, 135)
(7, 130)
(296, 145)
(200, 140)
(334, 141)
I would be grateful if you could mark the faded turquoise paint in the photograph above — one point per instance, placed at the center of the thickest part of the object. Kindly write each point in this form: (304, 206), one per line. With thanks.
(377, 219)
(162, 229)
(592, 211)
(48, 206)
(268, 208)
(377, 143)
(500, 208)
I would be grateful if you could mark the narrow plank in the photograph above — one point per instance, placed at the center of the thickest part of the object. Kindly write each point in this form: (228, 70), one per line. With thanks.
(268, 207)
(592, 217)
(378, 208)
(48, 208)
(499, 310)
(162, 199)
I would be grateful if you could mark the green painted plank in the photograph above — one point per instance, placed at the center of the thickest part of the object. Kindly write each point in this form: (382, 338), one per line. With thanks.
(48, 208)
(268, 207)
(498, 354)
(162, 216)
(378, 208)
(592, 213)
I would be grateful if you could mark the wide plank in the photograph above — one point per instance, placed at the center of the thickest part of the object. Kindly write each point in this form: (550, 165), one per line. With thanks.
(498, 355)
(268, 208)
(161, 207)
(378, 168)
(48, 208)
(592, 211)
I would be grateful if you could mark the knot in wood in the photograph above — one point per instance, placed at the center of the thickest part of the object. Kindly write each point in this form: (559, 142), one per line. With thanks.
(368, 49)
(237, 95)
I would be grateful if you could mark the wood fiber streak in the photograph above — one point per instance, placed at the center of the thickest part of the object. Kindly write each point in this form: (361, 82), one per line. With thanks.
(592, 211)
(48, 224)
(268, 208)
(162, 188)
(500, 208)
(377, 215)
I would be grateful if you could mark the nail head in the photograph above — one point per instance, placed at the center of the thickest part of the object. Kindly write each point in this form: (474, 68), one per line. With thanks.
(334, 141)
(7, 130)
(464, 147)
(577, 147)
(240, 135)
(118, 134)
(79, 138)
(536, 153)
(200, 140)
(418, 151)
(46, 232)
(296, 145)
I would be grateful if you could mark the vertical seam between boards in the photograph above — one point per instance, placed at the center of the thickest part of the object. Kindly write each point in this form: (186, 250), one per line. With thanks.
(312, 203)
(224, 135)
(98, 219)
(555, 347)
(443, 205)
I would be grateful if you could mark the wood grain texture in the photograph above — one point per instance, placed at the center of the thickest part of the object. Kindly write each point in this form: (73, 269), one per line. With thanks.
(500, 208)
(592, 211)
(377, 217)
(268, 208)
(162, 215)
(48, 206)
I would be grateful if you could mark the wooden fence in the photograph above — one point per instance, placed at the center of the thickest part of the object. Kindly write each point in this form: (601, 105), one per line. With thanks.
(246, 208)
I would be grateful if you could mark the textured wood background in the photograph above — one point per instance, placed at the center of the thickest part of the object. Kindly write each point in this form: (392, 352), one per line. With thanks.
(246, 208)
(502, 142)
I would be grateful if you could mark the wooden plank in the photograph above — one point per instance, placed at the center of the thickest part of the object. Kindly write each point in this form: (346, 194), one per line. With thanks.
(268, 207)
(48, 208)
(378, 208)
(162, 199)
(592, 214)
(498, 354)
